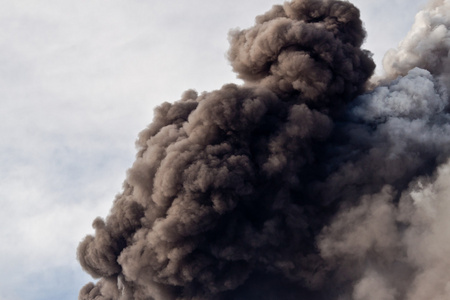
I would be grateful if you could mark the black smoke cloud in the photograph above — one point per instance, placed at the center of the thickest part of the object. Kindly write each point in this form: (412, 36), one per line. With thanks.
(299, 184)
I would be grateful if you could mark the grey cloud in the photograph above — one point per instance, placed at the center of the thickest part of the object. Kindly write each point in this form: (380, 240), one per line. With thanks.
(427, 45)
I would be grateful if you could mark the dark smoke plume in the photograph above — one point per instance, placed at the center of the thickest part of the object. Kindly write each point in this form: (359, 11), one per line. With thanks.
(298, 184)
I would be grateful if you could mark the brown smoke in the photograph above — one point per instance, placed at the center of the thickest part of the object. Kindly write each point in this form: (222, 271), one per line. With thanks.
(295, 185)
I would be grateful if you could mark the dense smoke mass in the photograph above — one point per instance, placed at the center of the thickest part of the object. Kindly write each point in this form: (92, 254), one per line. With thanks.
(305, 182)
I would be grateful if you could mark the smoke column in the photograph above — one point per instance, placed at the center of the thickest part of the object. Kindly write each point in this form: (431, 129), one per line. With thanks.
(302, 183)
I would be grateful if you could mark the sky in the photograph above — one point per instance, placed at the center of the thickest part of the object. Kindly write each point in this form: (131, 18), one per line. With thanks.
(78, 81)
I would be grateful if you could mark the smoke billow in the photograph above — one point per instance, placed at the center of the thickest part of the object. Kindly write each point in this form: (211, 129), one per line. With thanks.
(299, 184)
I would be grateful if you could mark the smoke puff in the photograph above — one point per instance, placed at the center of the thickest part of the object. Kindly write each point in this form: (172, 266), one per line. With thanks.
(397, 132)
(310, 48)
(299, 184)
(427, 45)
(210, 217)
(395, 262)
(415, 96)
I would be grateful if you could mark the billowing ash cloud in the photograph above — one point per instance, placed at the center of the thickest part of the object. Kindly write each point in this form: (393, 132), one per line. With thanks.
(298, 184)
(426, 45)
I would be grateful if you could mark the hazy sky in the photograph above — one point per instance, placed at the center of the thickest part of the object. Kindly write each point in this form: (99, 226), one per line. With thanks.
(78, 81)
